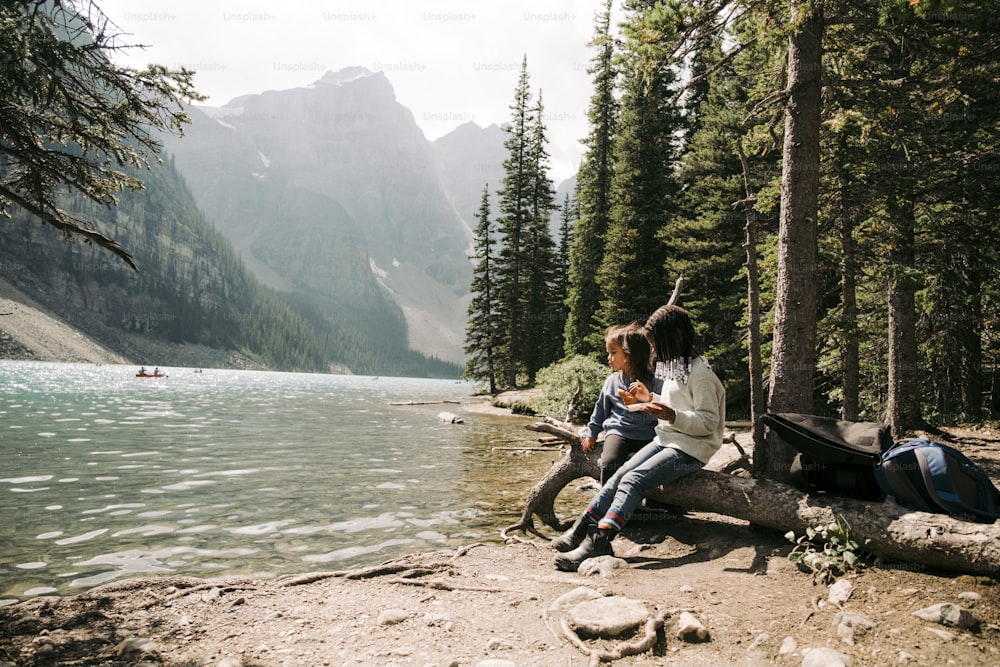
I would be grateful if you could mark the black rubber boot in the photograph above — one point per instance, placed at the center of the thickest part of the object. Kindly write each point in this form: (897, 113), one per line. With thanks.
(572, 538)
(596, 543)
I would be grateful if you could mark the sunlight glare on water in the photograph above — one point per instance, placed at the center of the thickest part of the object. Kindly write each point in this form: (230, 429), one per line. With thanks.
(106, 476)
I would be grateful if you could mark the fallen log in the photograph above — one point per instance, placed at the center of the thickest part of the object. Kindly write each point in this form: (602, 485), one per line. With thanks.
(884, 529)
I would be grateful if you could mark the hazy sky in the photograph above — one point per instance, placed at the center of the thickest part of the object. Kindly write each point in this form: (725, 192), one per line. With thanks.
(449, 61)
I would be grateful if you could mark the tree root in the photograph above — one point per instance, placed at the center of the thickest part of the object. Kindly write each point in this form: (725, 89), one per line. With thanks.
(440, 585)
(466, 549)
(622, 650)
(404, 567)
(202, 587)
(527, 527)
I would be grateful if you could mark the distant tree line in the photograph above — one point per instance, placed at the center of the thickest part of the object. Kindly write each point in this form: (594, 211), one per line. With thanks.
(195, 289)
(697, 165)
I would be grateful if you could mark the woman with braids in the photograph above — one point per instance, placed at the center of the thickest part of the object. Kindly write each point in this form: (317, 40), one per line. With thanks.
(691, 413)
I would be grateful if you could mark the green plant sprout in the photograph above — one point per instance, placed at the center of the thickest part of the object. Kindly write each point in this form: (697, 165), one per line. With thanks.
(827, 551)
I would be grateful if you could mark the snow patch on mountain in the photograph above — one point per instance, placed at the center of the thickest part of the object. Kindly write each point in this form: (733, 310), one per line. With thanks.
(379, 273)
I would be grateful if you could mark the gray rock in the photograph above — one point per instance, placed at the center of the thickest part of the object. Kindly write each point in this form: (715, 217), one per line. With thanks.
(136, 649)
(970, 598)
(442, 619)
(947, 613)
(840, 592)
(760, 643)
(826, 657)
(604, 566)
(607, 617)
(690, 629)
(851, 625)
(788, 645)
(392, 616)
(498, 644)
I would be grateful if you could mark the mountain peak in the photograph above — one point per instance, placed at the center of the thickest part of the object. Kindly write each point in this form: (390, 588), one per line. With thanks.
(345, 75)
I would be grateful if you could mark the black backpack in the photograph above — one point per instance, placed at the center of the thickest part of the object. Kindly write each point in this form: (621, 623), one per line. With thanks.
(932, 477)
(834, 455)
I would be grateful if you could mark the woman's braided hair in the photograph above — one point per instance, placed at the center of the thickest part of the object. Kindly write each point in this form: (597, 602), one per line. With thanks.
(672, 334)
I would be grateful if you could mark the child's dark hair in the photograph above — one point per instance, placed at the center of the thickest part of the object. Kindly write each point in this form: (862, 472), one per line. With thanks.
(672, 334)
(634, 343)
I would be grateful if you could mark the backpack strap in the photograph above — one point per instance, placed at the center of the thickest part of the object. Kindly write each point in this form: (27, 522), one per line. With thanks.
(936, 460)
(936, 472)
(902, 487)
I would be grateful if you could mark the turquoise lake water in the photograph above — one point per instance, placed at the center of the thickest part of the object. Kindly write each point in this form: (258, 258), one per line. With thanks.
(105, 476)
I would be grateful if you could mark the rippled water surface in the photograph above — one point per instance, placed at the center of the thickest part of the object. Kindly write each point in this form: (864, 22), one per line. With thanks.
(105, 476)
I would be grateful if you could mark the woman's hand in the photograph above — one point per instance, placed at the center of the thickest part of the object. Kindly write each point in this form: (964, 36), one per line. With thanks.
(587, 443)
(640, 391)
(661, 411)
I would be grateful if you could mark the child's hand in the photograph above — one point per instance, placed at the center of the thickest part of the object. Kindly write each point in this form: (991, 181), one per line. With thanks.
(639, 391)
(628, 398)
(587, 443)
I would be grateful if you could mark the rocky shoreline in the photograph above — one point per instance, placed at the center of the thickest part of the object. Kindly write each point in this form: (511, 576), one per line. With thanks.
(689, 591)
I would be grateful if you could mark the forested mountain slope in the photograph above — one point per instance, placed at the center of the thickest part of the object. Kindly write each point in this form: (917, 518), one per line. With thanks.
(192, 289)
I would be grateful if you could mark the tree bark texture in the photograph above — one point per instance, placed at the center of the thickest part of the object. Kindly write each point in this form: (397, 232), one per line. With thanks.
(903, 404)
(793, 356)
(884, 529)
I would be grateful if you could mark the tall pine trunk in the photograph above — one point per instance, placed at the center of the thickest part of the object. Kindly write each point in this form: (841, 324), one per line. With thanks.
(754, 358)
(794, 346)
(903, 409)
(851, 367)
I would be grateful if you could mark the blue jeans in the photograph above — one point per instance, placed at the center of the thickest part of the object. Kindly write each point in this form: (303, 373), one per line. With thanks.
(652, 466)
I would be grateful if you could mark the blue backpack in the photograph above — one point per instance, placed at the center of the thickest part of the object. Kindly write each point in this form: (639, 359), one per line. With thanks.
(929, 476)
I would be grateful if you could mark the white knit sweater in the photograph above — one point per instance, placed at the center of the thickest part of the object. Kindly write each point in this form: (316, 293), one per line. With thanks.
(700, 404)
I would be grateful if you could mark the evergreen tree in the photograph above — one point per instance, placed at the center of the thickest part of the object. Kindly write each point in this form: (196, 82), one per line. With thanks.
(705, 240)
(568, 215)
(583, 333)
(480, 332)
(633, 276)
(957, 231)
(515, 218)
(913, 117)
(793, 358)
(543, 301)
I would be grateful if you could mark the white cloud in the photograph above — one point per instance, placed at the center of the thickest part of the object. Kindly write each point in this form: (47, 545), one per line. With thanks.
(449, 61)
